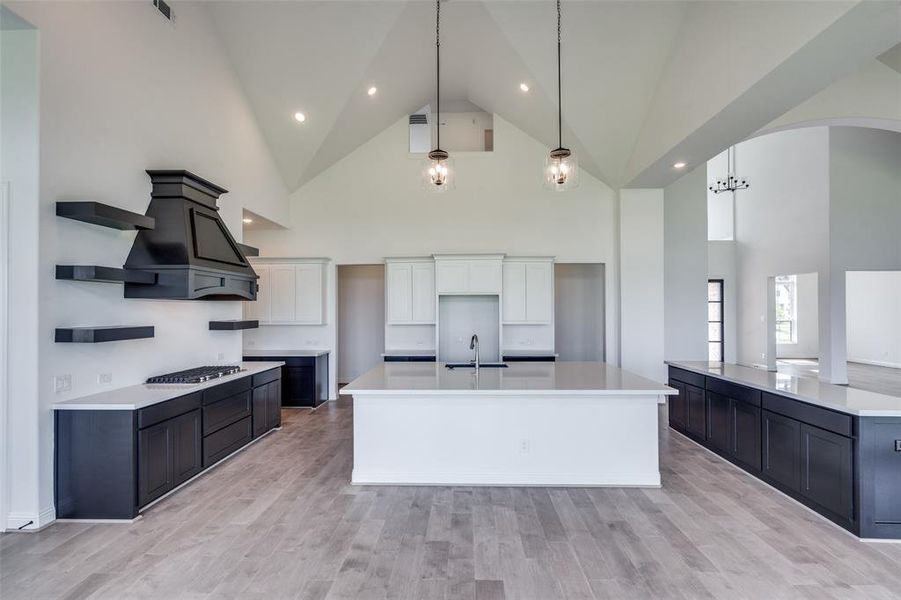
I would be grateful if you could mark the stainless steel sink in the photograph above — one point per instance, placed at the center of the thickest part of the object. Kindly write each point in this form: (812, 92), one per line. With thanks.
(472, 365)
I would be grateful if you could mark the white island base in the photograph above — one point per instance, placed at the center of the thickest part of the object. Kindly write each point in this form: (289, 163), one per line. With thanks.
(531, 424)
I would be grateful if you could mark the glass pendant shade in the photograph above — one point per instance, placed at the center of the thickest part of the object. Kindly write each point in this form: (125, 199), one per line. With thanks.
(438, 172)
(561, 170)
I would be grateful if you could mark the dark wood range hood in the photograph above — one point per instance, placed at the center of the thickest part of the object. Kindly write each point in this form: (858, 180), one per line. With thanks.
(191, 250)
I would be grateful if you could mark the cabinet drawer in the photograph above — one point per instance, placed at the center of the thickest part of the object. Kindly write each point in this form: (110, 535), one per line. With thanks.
(823, 418)
(225, 441)
(167, 410)
(731, 390)
(695, 379)
(224, 390)
(267, 376)
(225, 412)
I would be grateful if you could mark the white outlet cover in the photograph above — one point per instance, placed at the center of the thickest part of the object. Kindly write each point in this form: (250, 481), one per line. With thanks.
(105, 378)
(62, 383)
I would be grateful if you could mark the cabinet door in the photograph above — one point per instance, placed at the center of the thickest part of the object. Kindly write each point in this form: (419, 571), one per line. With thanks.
(719, 422)
(746, 433)
(678, 406)
(260, 410)
(155, 464)
(514, 291)
(259, 308)
(485, 277)
(452, 276)
(400, 293)
(697, 411)
(308, 297)
(539, 292)
(281, 287)
(300, 386)
(826, 470)
(782, 450)
(186, 446)
(274, 400)
(423, 277)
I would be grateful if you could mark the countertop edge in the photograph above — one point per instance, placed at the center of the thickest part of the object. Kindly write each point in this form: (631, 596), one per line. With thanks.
(456, 392)
(792, 395)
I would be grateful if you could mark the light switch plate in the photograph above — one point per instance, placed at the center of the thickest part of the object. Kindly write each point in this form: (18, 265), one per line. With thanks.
(897, 445)
(62, 383)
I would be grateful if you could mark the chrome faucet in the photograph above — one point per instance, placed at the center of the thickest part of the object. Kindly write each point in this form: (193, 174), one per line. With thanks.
(474, 345)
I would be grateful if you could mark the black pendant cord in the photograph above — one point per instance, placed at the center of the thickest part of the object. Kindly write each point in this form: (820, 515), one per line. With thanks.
(559, 86)
(438, 72)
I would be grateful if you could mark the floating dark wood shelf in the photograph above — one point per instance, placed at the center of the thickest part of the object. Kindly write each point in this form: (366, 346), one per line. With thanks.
(104, 215)
(94, 335)
(249, 250)
(104, 274)
(233, 325)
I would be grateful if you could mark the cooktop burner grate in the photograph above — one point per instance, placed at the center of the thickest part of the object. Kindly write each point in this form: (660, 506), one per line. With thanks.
(196, 375)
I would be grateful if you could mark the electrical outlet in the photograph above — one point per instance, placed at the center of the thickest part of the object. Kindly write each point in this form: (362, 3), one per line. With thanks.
(105, 378)
(525, 446)
(62, 383)
(897, 445)
(220, 356)
(763, 355)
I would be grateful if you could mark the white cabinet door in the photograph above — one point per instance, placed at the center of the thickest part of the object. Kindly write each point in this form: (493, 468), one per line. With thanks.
(514, 280)
(282, 295)
(259, 309)
(423, 292)
(452, 276)
(485, 277)
(308, 294)
(400, 293)
(539, 292)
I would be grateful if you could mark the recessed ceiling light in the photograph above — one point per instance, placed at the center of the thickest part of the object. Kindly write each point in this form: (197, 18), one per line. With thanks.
(524, 87)
(300, 117)
(246, 220)
(371, 91)
(679, 165)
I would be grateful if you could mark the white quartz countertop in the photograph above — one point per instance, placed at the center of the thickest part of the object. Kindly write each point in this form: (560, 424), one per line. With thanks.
(519, 378)
(301, 352)
(135, 397)
(806, 389)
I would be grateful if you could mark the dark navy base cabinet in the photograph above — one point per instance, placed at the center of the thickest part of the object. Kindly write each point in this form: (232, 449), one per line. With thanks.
(109, 464)
(846, 468)
(304, 379)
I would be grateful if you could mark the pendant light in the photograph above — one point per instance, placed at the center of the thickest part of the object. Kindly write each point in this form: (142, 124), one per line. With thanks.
(561, 170)
(438, 173)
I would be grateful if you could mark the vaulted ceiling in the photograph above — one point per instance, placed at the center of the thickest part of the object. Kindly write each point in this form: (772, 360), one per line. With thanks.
(643, 82)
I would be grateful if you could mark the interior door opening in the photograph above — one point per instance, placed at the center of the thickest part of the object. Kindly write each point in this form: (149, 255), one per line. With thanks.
(360, 319)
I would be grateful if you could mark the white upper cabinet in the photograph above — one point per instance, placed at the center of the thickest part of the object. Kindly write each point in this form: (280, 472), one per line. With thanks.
(468, 274)
(528, 291)
(291, 292)
(410, 291)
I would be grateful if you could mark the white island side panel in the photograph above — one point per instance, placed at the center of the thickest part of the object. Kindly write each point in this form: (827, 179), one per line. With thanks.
(506, 439)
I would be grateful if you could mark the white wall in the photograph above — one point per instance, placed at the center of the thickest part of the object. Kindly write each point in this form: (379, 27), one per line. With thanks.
(808, 320)
(781, 223)
(874, 317)
(124, 90)
(641, 283)
(685, 267)
(19, 175)
(370, 205)
(720, 207)
(361, 319)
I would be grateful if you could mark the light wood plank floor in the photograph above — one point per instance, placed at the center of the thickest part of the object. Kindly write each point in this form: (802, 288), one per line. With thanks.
(280, 521)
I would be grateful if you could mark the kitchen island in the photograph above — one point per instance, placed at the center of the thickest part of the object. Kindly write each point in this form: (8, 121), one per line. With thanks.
(543, 423)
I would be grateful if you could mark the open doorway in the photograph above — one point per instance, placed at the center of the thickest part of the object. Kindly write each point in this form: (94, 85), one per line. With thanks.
(873, 330)
(796, 323)
(579, 311)
(360, 319)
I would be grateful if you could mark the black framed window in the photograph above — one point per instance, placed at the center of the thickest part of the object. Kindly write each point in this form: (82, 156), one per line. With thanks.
(715, 347)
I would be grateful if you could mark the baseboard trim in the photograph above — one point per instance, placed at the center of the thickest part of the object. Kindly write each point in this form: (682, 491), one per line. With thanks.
(406, 478)
(30, 522)
(875, 363)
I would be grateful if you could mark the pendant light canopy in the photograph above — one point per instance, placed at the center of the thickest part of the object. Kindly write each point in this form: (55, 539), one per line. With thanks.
(561, 171)
(437, 174)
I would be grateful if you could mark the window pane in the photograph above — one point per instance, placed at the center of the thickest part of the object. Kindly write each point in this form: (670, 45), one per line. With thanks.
(714, 290)
(714, 332)
(714, 311)
(715, 351)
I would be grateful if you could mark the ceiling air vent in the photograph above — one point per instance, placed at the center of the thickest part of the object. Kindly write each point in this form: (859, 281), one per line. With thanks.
(420, 119)
(163, 8)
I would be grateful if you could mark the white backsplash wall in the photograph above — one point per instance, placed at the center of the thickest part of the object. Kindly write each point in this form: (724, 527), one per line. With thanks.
(459, 317)
(524, 338)
(410, 337)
